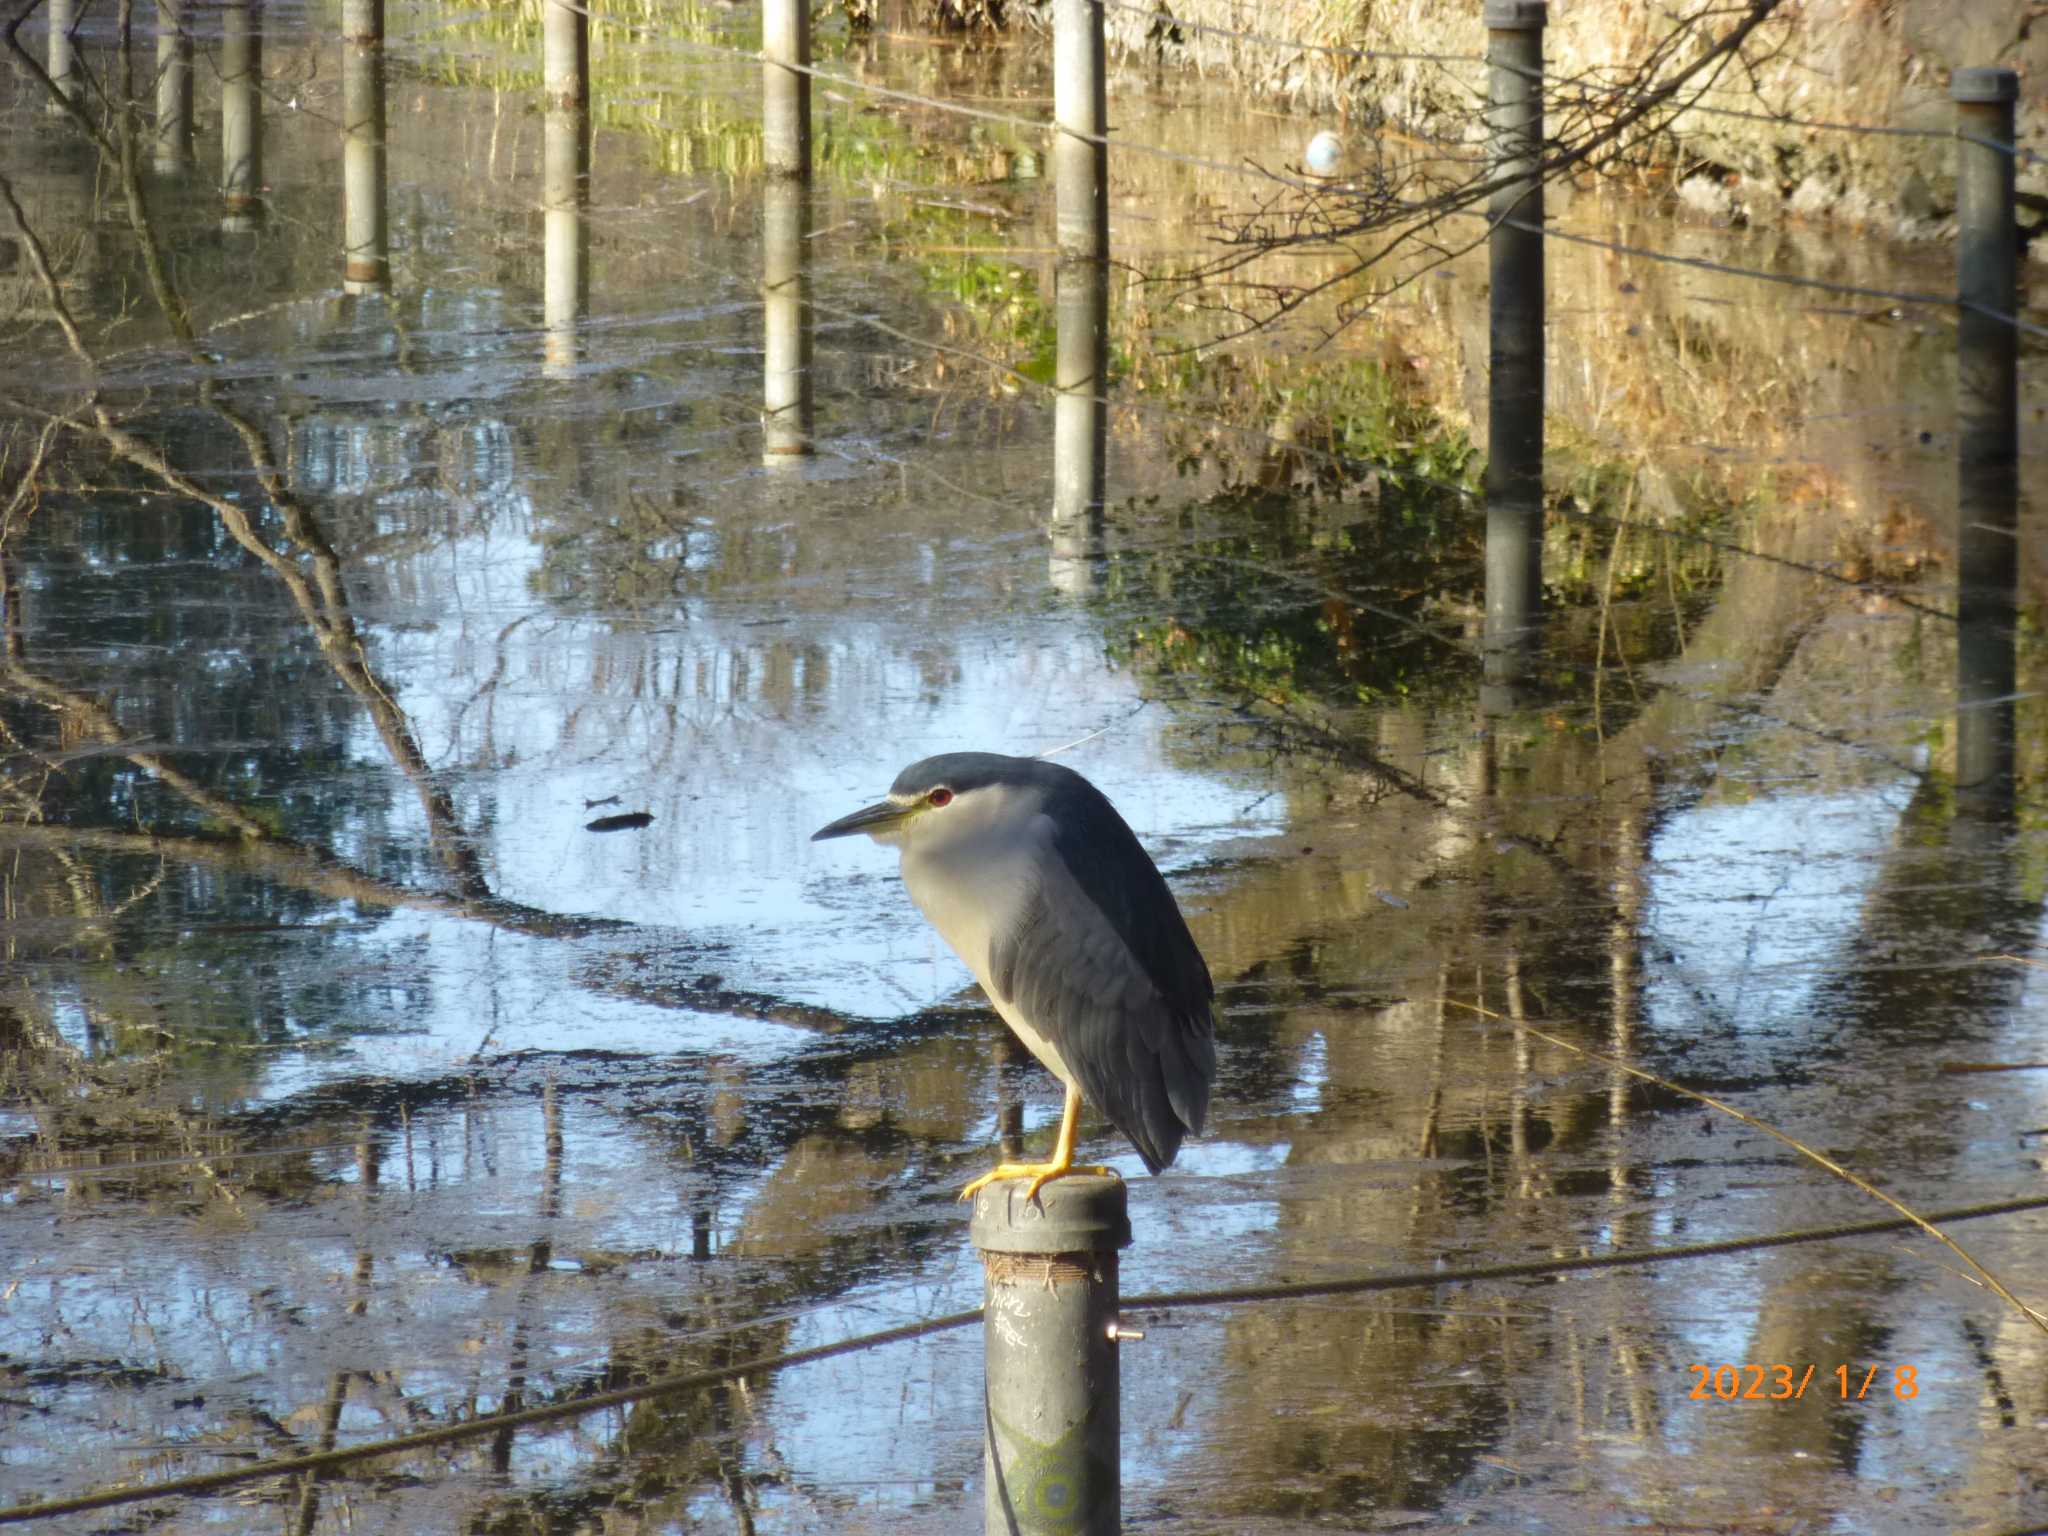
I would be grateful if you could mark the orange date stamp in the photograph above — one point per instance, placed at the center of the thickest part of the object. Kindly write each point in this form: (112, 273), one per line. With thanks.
(1788, 1383)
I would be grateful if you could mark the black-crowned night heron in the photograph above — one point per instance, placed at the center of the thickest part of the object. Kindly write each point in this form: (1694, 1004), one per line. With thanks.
(1028, 872)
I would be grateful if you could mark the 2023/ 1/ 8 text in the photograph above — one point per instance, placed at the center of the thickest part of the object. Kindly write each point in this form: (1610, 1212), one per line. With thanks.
(1781, 1383)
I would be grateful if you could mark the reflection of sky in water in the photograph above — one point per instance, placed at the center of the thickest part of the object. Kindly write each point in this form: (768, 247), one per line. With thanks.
(1752, 901)
(743, 720)
(1755, 909)
(742, 731)
(458, 990)
(889, 1454)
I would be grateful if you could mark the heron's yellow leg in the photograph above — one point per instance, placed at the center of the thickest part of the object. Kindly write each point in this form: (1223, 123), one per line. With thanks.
(1039, 1173)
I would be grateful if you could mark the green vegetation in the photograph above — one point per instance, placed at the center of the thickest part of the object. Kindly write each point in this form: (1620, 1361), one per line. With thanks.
(1334, 559)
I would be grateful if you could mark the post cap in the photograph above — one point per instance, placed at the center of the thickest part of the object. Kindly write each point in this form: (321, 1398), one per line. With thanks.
(1983, 83)
(1516, 15)
(1079, 1213)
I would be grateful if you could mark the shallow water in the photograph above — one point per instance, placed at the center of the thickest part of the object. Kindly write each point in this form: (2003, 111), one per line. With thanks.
(354, 1086)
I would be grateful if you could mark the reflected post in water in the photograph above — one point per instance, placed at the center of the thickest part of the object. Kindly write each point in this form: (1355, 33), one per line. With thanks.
(1987, 421)
(1514, 457)
(241, 116)
(1081, 299)
(173, 87)
(787, 322)
(565, 261)
(366, 240)
(1080, 423)
(63, 56)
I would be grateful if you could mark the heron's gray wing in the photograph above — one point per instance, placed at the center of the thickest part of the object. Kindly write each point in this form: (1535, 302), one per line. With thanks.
(1141, 1051)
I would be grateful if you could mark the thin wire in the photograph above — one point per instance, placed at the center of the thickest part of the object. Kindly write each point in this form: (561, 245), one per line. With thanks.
(1011, 119)
(1255, 433)
(1301, 184)
(1786, 279)
(1874, 129)
(1222, 1296)
(1825, 285)
(497, 1423)
(1102, 140)
(1167, 18)
(488, 1424)
(159, 1164)
(1260, 173)
(1270, 41)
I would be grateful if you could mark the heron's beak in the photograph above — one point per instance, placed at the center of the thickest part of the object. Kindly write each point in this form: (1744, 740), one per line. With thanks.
(874, 819)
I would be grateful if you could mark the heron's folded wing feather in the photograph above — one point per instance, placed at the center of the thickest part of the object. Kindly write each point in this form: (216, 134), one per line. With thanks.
(1068, 968)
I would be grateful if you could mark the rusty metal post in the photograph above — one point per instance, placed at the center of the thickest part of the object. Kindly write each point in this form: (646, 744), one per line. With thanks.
(1514, 450)
(1052, 1416)
(1988, 429)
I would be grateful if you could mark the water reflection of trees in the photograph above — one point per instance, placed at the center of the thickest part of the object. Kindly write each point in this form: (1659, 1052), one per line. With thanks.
(1508, 866)
(184, 689)
(1518, 851)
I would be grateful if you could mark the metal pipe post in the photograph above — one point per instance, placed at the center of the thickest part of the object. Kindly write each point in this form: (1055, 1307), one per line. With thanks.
(1988, 430)
(785, 87)
(1080, 431)
(241, 116)
(173, 87)
(1051, 1411)
(565, 53)
(1514, 455)
(1080, 107)
(366, 238)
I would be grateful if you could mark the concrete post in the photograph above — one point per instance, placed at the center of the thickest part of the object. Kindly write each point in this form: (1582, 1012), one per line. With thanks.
(366, 237)
(565, 53)
(173, 87)
(1080, 432)
(785, 88)
(241, 116)
(1514, 458)
(1987, 420)
(788, 411)
(1051, 1402)
(1080, 97)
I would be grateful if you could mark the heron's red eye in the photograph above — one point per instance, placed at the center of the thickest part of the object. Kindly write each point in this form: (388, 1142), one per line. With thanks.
(939, 797)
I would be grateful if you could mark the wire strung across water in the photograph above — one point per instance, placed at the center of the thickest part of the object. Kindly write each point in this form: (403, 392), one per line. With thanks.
(498, 1423)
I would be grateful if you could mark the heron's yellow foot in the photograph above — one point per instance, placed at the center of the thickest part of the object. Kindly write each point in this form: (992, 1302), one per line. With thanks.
(1039, 1174)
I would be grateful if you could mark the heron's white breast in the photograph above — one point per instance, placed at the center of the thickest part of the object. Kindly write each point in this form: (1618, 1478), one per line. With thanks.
(973, 890)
